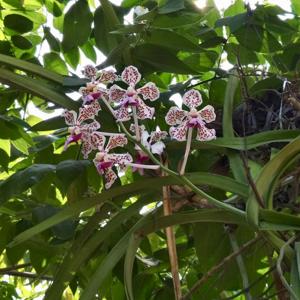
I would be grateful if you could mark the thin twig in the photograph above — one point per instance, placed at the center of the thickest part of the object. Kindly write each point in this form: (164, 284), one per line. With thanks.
(15, 267)
(28, 275)
(279, 269)
(136, 124)
(219, 266)
(240, 263)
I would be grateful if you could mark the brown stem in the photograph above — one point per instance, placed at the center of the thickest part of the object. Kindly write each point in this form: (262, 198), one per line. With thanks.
(219, 266)
(171, 243)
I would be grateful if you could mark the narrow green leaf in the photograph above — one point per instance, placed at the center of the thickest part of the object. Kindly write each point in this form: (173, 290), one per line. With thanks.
(30, 68)
(37, 88)
(126, 190)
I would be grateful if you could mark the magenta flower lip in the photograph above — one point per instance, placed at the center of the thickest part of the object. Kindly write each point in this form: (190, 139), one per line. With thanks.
(195, 123)
(102, 166)
(129, 101)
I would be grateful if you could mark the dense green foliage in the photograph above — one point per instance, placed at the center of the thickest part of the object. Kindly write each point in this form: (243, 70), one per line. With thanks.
(63, 236)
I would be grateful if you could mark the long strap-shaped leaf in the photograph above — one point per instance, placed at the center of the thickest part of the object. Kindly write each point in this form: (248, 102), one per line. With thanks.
(30, 68)
(84, 246)
(238, 143)
(268, 177)
(74, 209)
(228, 132)
(38, 88)
(144, 226)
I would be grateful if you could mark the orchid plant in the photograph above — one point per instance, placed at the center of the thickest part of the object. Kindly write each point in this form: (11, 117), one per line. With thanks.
(128, 104)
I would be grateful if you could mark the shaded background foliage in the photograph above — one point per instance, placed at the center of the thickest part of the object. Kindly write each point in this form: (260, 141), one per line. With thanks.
(56, 222)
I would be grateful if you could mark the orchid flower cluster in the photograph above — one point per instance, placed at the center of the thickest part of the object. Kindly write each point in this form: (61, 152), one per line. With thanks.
(129, 105)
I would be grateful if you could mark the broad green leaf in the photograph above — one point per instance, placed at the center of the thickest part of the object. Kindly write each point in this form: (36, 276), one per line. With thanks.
(77, 25)
(5, 146)
(22, 180)
(54, 62)
(21, 42)
(72, 57)
(161, 59)
(18, 23)
(89, 51)
(170, 6)
(52, 40)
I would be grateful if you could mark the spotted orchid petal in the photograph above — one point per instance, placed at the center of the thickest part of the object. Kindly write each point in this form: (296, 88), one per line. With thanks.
(205, 134)
(179, 133)
(144, 111)
(110, 177)
(118, 140)
(141, 128)
(192, 98)
(149, 91)
(86, 149)
(70, 117)
(175, 116)
(107, 76)
(122, 114)
(131, 75)
(91, 127)
(120, 159)
(116, 94)
(89, 71)
(97, 140)
(88, 112)
(207, 114)
(157, 136)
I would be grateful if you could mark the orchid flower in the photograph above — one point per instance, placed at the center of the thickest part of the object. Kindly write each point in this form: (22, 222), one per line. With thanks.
(80, 131)
(129, 101)
(96, 88)
(105, 161)
(183, 122)
(153, 142)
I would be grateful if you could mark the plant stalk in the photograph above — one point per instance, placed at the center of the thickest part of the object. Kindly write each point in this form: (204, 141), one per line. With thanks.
(187, 150)
(136, 124)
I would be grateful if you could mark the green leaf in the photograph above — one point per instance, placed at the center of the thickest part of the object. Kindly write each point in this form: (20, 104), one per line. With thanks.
(38, 88)
(21, 42)
(268, 177)
(126, 190)
(236, 164)
(18, 23)
(49, 124)
(72, 57)
(77, 25)
(22, 180)
(171, 39)
(30, 68)
(5, 146)
(176, 20)
(89, 51)
(54, 62)
(69, 170)
(170, 6)
(295, 6)
(52, 40)
(161, 59)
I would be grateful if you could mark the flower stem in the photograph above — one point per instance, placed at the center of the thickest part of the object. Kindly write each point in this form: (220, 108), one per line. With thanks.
(187, 151)
(108, 106)
(136, 124)
(141, 166)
